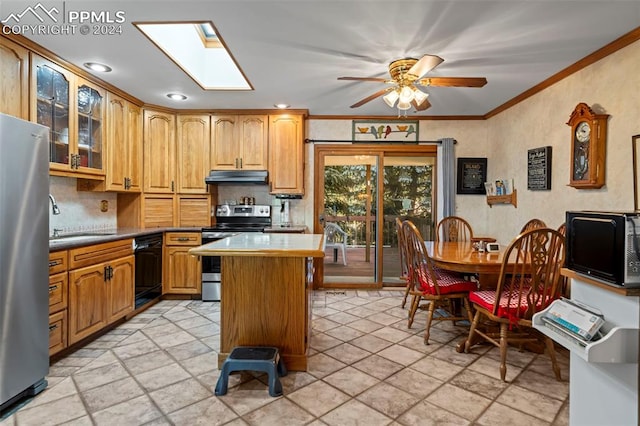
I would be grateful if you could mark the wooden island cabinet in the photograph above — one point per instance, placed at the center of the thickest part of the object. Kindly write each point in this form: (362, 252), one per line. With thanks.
(266, 292)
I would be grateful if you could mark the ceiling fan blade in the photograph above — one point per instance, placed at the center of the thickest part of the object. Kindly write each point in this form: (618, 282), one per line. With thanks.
(424, 65)
(424, 105)
(370, 98)
(453, 81)
(382, 80)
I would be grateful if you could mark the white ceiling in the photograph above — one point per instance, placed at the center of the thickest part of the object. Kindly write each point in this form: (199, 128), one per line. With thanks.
(293, 51)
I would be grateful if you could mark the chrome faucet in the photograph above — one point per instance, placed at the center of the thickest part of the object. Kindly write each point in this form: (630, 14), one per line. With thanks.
(54, 206)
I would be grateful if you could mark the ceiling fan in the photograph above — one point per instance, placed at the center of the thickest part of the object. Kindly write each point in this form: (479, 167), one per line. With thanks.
(406, 75)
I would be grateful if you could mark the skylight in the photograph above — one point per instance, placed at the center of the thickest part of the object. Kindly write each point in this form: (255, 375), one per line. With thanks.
(198, 50)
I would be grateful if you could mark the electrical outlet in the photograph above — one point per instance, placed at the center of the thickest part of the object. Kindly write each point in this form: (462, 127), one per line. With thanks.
(104, 206)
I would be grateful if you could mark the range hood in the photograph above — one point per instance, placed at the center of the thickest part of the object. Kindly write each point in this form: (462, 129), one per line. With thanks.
(237, 177)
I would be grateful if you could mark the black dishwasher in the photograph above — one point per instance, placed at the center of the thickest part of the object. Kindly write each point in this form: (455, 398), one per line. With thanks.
(148, 283)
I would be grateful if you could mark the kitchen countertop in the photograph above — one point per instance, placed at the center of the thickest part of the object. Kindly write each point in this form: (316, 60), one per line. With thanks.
(265, 245)
(97, 237)
(293, 229)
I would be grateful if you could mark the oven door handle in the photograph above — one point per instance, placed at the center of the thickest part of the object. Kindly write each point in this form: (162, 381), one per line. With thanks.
(139, 247)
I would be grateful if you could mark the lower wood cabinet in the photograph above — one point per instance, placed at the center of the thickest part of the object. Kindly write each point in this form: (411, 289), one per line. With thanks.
(182, 272)
(58, 301)
(102, 291)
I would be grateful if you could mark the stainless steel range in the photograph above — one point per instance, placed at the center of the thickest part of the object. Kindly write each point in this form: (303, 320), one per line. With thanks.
(230, 220)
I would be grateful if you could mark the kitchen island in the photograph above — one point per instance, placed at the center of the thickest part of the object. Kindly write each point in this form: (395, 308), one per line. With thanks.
(267, 280)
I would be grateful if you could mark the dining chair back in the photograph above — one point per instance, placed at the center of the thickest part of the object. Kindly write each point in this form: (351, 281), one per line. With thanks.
(529, 281)
(336, 239)
(438, 287)
(453, 228)
(533, 224)
(404, 268)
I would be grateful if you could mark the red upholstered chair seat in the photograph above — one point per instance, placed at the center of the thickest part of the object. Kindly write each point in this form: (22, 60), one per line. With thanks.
(509, 304)
(448, 282)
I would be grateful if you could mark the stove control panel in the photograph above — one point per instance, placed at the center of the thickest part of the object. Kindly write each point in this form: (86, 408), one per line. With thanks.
(227, 210)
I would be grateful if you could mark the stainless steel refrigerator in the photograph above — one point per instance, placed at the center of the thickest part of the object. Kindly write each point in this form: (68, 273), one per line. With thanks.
(24, 258)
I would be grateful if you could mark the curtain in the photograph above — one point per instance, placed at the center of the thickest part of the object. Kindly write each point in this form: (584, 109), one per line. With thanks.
(446, 175)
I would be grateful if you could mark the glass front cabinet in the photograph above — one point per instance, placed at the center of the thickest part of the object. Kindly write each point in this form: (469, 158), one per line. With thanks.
(73, 110)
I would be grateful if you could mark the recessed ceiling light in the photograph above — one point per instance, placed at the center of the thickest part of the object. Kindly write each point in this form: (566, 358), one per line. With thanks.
(176, 96)
(281, 106)
(97, 67)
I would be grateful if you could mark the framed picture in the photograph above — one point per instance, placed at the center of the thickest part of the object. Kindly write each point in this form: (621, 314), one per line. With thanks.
(539, 168)
(472, 174)
(380, 130)
(635, 143)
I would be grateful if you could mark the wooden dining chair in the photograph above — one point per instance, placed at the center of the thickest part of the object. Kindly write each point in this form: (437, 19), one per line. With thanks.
(529, 281)
(438, 287)
(404, 268)
(565, 284)
(533, 224)
(453, 228)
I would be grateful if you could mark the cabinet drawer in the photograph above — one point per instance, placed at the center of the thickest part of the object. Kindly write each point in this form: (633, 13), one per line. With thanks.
(57, 332)
(58, 284)
(98, 253)
(58, 261)
(182, 238)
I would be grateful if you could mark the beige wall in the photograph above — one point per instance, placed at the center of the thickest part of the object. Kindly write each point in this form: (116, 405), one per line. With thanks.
(612, 84)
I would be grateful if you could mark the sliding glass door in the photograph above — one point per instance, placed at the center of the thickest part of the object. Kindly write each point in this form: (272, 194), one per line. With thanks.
(360, 191)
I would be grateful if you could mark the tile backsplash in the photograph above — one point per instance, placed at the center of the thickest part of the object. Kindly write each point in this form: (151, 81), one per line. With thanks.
(80, 211)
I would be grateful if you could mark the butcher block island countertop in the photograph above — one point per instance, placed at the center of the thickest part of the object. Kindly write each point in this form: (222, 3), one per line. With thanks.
(267, 284)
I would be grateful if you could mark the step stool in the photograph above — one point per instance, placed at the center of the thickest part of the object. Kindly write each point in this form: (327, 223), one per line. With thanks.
(253, 358)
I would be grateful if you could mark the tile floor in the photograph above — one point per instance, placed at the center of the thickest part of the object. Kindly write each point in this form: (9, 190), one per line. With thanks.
(365, 368)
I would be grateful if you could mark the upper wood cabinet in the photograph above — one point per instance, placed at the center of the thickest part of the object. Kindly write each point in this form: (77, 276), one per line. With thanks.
(159, 152)
(124, 145)
(239, 142)
(286, 154)
(193, 147)
(14, 79)
(74, 111)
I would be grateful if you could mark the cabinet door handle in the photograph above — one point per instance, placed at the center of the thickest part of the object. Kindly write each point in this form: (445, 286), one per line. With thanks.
(106, 273)
(172, 187)
(53, 263)
(53, 288)
(53, 327)
(183, 239)
(240, 162)
(110, 272)
(236, 163)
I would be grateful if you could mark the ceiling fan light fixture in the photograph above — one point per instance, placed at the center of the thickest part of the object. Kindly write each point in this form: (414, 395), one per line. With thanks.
(419, 96)
(391, 98)
(403, 106)
(406, 95)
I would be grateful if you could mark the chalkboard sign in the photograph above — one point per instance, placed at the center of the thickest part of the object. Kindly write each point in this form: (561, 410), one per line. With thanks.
(472, 174)
(539, 168)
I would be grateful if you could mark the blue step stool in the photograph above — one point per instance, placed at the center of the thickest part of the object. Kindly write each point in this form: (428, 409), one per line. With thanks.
(253, 358)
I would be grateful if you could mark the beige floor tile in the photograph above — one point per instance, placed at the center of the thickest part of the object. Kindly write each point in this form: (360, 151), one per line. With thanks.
(179, 395)
(342, 318)
(501, 415)
(414, 382)
(247, 396)
(450, 354)
(52, 413)
(351, 381)
(66, 387)
(189, 323)
(163, 328)
(491, 367)
(457, 400)
(344, 333)
(401, 354)
(282, 411)
(378, 367)
(318, 398)
(211, 329)
(365, 325)
(295, 380)
(416, 342)
(103, 360)
(542, 365)
(321, 365)
(188, 350)
(361, 311)
(347, 353)
(323, 324)
(174, 339)
(426, 414)
(383, 318)
(81, 421)
(208, 412)
(179, 313)
(147, 362)
(355, 413)
(62, 371)
(113, 393)
(562, 418)
(391, 334)
(533, 403)
(161, 377)
(436, 368)
(99, 376)
(202, 363)
(388, 399)
(543, 384)
(139, 348)
(321, 341)
(371, 343)
(479, 383)
(73, 361)
(136, 411)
